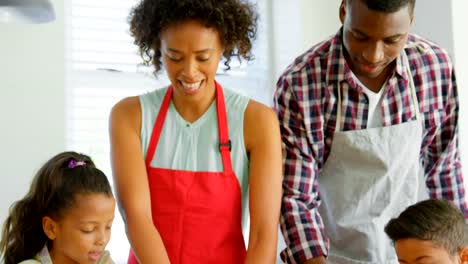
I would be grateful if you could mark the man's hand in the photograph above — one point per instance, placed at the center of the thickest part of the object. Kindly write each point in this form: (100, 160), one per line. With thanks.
(317, 260)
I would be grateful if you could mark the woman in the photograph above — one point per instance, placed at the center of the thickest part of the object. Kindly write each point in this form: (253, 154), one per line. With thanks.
(190, 159)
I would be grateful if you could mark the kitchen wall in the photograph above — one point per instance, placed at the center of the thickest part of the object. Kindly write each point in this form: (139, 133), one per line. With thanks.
(460, 20)
(32, 122)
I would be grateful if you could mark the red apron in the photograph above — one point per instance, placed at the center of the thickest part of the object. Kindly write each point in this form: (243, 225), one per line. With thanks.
(197, 214)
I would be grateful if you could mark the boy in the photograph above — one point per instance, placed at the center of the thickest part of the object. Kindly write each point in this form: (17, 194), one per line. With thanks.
(431, 231)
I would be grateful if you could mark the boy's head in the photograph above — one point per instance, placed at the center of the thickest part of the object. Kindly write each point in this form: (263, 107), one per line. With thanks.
(432, 231)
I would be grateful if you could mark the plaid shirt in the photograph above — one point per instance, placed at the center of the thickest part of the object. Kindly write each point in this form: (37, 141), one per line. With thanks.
(305, 101)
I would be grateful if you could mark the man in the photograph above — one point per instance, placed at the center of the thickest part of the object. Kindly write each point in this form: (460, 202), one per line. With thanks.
(369, 126)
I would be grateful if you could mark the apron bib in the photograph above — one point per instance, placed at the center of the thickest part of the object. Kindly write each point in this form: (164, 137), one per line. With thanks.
(197, 214)
(370, 176)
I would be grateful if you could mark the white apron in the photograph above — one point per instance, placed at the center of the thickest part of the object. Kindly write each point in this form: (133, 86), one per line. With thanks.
(370, 176)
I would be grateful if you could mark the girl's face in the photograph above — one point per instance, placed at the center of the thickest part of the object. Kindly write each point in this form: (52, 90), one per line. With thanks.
(191, 53)
(82, 234)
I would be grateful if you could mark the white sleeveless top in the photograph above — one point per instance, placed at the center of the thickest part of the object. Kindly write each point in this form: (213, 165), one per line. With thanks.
(194, 146)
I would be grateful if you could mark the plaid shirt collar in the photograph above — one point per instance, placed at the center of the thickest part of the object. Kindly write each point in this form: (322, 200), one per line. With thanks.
(338, 69)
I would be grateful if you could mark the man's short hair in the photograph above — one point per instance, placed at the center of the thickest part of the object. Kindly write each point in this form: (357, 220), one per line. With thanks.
(435, 220)
(388, 6)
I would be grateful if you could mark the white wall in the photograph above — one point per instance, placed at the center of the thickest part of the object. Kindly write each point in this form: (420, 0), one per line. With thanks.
(32, 125)
(302, 23)
(433, 20)
(320, 20)
(460, 20)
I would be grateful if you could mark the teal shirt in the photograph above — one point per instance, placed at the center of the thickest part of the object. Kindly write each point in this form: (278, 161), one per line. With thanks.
(194, 146)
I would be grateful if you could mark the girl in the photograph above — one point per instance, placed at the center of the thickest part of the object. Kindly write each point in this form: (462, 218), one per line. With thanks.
(65, 217)
(191, 159)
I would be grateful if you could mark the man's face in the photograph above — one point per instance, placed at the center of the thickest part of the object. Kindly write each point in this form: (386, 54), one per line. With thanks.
(372, 39)
(415, 251)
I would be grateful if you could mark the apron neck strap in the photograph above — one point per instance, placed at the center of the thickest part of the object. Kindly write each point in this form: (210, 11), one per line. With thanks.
(223, 131)
(415, 104)
(157, 128)
(338, 110)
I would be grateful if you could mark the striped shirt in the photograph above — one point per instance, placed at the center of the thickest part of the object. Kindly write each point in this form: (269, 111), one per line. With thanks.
(305, 101)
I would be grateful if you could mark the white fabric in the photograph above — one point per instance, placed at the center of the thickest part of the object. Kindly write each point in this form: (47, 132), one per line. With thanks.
(374, 115)
(42, 257)
(370, 176)
(194, 146)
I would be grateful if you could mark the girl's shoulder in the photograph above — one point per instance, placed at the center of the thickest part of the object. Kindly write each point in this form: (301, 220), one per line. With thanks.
(42, 257)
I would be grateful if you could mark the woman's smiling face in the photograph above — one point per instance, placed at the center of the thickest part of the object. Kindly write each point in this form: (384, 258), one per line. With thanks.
(191, 53)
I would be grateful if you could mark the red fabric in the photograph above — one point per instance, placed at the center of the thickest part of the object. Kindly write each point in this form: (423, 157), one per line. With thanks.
(197, 214)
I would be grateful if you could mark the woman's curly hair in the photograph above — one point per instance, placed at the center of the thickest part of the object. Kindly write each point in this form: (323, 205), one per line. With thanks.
(235, 21)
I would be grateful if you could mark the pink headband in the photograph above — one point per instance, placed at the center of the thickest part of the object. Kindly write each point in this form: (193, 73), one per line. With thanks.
(73, 163)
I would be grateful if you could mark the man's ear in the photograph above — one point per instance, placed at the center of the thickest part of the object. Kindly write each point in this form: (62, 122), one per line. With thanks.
(50, 227)
(342, 11)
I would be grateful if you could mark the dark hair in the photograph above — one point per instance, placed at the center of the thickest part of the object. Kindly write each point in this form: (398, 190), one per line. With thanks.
(235, 21)
(388, 6)
(53, 191)
(434, 220)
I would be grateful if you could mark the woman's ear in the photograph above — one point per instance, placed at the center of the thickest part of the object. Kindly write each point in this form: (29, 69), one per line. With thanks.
(50, 227)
